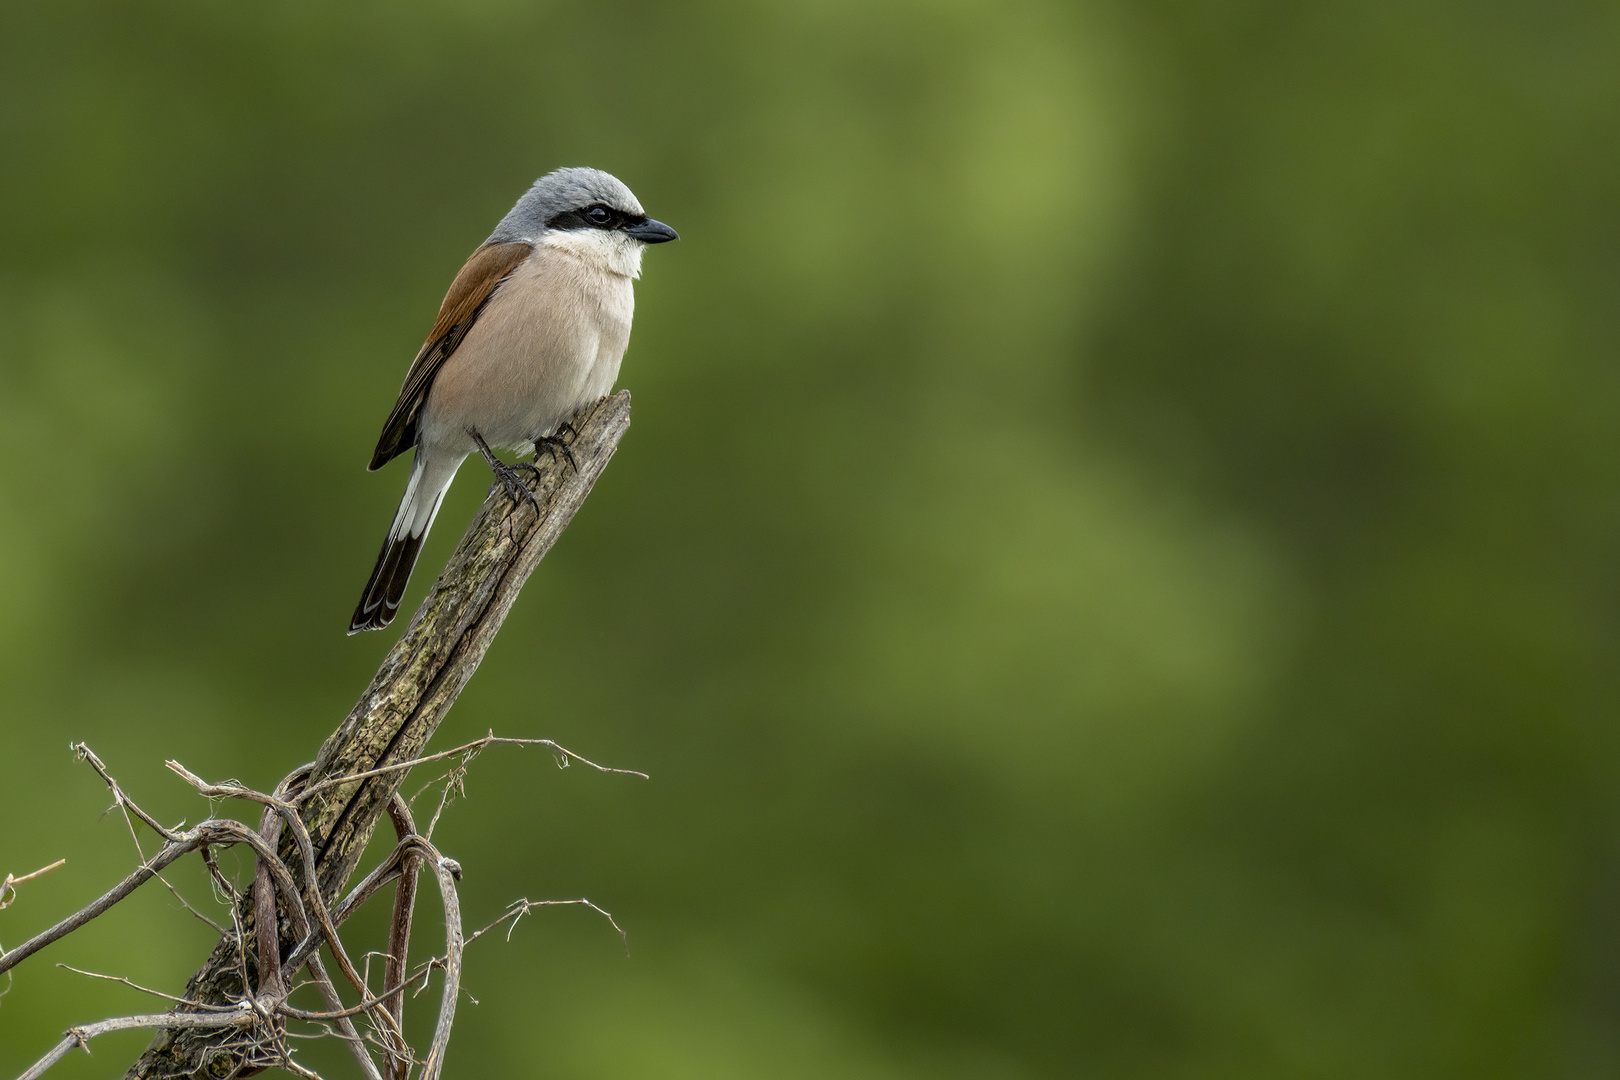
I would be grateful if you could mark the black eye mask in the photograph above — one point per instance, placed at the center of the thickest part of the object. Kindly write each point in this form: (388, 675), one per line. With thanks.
(582, 218)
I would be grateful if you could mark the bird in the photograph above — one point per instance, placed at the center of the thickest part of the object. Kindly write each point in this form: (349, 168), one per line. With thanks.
(533, 329)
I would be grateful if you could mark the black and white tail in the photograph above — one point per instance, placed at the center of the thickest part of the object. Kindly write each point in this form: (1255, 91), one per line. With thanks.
(423, 494)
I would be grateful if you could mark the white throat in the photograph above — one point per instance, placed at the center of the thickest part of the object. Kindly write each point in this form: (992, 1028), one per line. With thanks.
(613, 252)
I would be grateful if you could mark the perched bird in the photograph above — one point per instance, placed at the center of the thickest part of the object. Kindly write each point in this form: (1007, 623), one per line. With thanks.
(532, 329)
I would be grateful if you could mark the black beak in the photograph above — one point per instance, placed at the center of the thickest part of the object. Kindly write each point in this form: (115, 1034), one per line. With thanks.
(652, 232)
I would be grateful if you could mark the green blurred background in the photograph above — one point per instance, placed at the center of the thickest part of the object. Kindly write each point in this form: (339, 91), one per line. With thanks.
(1113, 572)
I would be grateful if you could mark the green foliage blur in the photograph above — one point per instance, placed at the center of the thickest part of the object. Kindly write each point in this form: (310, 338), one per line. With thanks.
(1113, 572)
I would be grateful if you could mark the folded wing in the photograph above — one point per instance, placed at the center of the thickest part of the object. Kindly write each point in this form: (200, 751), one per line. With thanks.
(468, 294)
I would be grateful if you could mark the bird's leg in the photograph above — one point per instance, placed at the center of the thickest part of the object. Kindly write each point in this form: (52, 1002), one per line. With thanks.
(555, 442)
(507, 475)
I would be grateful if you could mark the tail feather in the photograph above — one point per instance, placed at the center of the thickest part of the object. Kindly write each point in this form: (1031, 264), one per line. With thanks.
(380, 601)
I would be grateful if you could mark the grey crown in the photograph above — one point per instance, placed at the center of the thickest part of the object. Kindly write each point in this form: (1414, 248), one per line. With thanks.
(559, 191)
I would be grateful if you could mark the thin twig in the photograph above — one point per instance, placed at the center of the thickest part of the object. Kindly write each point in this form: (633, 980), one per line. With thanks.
(9, 885)
(142, 874)
(147, 989)
(225, 889)
(167, 884)
(357, 1045)
(126, 806)
(372, 883)
(187, 905)
(290, 1065)
(177, 844)
(564, 756)
(370, 1002)
(86, 754)
(455, 783)
(8, 894)
(81, 1035)
(214, 830)
(521, 907)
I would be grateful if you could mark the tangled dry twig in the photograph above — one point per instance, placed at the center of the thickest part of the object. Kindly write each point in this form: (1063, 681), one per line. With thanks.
(256, 1021)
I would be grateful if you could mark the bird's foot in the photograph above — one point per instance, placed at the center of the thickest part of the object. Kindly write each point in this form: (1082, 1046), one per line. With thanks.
(555, 444)
(508, 476)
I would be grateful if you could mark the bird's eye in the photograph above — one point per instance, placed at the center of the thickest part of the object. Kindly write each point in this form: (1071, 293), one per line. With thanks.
(598, 214)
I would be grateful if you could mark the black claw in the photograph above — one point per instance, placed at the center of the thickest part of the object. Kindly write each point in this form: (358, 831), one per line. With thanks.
(554, 444)
(508, 476)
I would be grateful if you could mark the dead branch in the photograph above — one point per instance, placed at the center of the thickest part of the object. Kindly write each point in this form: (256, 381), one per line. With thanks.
(360, 767)
(448, 636)
(232, 1018)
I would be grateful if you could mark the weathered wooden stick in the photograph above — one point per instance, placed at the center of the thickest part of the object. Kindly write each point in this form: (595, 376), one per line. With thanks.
(411, 693)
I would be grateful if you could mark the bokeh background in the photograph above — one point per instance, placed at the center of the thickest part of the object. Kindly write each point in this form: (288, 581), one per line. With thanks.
(1113, 573)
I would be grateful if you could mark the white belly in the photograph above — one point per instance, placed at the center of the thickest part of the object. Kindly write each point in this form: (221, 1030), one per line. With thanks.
(548, 342)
